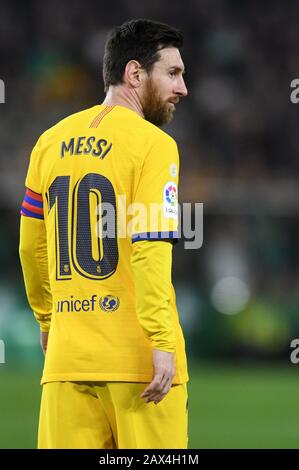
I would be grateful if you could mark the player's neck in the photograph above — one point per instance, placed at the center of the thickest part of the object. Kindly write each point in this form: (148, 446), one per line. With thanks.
(123, 96)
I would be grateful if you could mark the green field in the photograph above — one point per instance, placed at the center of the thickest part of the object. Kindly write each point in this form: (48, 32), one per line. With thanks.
(229, 407)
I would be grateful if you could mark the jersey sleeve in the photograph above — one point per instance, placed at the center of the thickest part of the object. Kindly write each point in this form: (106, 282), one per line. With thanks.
(155, 205)
(151, 266)
(33, 246)
(34, 261)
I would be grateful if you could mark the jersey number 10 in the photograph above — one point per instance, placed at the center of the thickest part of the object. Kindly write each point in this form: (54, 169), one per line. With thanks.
(77, 245)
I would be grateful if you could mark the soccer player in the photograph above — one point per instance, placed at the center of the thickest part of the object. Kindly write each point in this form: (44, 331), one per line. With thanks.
(115, 369)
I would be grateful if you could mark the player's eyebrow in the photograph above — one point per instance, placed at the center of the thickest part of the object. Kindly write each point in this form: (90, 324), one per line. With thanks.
(178, 69)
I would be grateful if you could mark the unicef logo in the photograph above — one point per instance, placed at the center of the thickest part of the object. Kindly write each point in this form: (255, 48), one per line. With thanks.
(171, 195)
(109, 303)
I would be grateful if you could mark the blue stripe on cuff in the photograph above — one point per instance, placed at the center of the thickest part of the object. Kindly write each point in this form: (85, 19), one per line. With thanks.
(154, 236)
(32, 214)
(33, 201)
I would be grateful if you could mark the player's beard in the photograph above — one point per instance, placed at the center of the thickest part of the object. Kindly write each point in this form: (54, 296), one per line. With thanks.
(155, 110)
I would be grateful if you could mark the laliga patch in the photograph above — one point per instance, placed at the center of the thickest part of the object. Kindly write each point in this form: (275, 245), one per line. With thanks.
(170, 200)
(109, 303)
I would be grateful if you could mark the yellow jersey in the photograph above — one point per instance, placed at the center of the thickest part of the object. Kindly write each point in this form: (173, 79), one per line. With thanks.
(99, 183)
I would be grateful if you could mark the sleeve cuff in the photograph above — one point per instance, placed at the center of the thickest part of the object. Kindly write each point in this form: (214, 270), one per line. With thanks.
(153, 236)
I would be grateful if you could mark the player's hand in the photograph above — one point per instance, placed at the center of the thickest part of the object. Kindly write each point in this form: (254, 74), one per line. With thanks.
(44, 341)
(164, 372)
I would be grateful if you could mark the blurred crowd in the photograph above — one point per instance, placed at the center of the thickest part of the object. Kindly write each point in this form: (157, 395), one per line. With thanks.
(236, 131)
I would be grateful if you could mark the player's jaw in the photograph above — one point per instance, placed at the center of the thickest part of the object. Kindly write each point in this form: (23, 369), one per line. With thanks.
(156, 110)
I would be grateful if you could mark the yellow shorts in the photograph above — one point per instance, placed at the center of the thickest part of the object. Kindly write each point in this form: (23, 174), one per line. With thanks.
(111, 415)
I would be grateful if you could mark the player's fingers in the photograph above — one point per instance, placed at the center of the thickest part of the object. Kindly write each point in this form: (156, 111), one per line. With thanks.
(160, 389)
(159, 397)
(162, 395)
(160, 381)
(152, 387)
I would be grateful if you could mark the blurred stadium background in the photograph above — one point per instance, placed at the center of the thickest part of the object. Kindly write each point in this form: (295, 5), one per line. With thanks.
(238, 137)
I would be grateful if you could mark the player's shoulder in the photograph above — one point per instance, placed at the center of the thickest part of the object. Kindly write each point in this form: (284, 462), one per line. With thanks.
(139, 135)
(157, 135)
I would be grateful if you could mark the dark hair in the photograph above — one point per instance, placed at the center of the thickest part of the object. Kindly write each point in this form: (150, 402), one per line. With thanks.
(140, 40)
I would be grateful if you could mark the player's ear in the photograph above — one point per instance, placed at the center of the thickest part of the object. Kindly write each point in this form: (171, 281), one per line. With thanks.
(133, 73)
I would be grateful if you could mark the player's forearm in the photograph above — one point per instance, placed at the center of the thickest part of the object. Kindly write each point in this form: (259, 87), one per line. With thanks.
(151, 264)
(34, 261)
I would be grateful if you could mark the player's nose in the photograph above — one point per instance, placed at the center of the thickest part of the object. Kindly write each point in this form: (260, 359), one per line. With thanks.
(181, 88)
